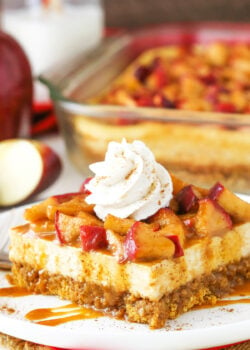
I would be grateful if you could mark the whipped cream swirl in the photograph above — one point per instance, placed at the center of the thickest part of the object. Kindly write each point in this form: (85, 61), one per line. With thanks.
(129, 182)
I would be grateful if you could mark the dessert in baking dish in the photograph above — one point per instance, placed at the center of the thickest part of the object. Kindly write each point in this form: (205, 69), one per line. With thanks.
(209, 80)
(214, 77)
(135, 241)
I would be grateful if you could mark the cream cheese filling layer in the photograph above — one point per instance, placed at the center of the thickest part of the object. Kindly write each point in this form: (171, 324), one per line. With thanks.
(147, 280)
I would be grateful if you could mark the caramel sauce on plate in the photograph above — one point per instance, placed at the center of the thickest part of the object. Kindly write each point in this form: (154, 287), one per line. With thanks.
(62, 314)
(14, 292)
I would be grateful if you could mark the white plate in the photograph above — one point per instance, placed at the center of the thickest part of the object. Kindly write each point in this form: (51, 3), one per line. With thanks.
(193, 330)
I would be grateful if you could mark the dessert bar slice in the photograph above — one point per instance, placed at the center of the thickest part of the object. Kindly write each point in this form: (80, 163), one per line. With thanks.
(149, 250)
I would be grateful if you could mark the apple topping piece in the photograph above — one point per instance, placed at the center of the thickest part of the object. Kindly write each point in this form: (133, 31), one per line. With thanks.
(38, 211)
(187, 199)
(116, 244)
(68, 227)
(72, 205)
(28, 167)
(67, 203)
(179, 184)
(117, 224)
(211, 219)
(170, 223)
(65, 197)
(178, 247)
(236, 207)
(93, 237)
(142, 244)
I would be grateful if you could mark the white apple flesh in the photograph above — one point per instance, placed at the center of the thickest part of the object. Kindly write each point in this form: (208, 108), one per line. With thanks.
(27, 168)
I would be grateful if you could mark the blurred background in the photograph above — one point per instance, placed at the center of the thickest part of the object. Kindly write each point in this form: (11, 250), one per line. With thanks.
(135, 13)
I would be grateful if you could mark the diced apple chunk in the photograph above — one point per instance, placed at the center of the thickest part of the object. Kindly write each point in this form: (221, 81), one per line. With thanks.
(117, 224)
(144, 244)
(170, 223)
(179, 251)
(233, 205)
(179, 184)
(93, 237)
(211, 219)
(116, 244)
(68, 227)
(38, 211)
(65, 197)
(187, 199)
(71, 207)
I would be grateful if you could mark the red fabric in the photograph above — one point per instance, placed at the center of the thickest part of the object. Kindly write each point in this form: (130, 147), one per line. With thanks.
(214, 348)
(44, 119)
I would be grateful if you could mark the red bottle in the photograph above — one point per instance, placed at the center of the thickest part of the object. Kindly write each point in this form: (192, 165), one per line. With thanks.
(16, 89)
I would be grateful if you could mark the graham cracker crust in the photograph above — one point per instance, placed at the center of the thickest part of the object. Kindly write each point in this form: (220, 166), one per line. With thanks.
(12, 343)
(204, 290)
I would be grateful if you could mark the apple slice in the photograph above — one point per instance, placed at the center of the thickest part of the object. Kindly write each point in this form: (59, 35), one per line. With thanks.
(65, 197)
(116, 245)
(211, 219)
(117, 224)
(236, 207)
(93, 237)
(27, 168)
(178, 185)
(73, 205)
(170, 224)
(179, 251)
(187, 199)
(144, 244)
(68, 227)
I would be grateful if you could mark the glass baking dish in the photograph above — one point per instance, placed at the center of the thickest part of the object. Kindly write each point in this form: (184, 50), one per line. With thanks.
(201, 147)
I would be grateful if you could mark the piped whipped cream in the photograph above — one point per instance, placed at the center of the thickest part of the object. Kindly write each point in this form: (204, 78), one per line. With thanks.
(129, 182)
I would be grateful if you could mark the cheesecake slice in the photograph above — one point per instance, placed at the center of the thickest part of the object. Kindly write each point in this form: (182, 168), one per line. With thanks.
(191, 248)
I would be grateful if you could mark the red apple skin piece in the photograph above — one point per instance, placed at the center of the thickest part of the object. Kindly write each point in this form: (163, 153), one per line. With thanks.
(187, 199)
(211, 219)
(16, 89)
(93, 237)
(236, 207)
(65, 197)
(52, 166)
(59, 233)
(178, 248)
(144, 244)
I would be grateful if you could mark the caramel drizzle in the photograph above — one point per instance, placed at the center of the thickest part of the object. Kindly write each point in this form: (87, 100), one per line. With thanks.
(14, 292)
(62, 314)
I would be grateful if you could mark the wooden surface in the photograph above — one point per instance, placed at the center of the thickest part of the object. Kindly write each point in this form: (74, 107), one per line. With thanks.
(135, 13)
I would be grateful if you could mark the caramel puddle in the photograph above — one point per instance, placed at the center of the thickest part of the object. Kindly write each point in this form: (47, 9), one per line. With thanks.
(14, 292)
(62, 314)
